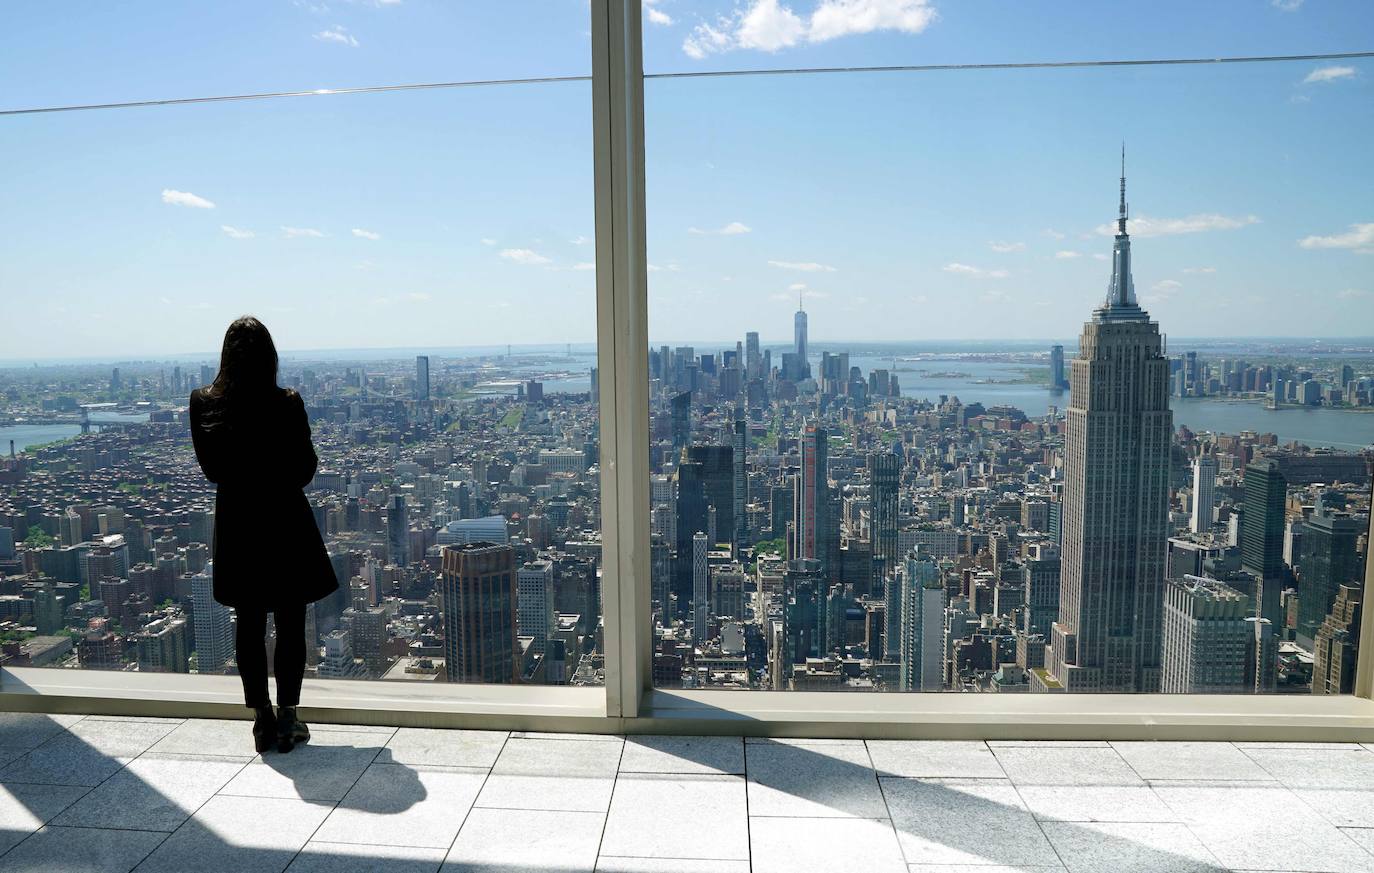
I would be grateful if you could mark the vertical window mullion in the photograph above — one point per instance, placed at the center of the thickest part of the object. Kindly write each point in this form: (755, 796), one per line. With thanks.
(622, 347)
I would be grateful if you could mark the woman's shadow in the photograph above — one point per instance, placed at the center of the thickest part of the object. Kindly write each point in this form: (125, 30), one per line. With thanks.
(364, 778)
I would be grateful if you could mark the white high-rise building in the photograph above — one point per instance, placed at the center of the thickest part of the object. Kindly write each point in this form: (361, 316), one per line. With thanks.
(210, 623)
(1204, 493)
(923, 626)
(1205, 638)
(534, 602)
(1115, 523)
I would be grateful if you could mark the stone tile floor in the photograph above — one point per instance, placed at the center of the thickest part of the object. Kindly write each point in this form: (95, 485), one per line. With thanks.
(98, 793)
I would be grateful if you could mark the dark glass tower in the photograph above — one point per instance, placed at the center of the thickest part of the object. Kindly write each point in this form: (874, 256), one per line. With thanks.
(479, 591)
(1261, 535)
(1329, 560)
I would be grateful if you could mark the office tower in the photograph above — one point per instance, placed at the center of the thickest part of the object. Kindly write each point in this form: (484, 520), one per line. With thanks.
(691, 517)
(207, 374)
(739, 445)
(681, 422)
(719, 475)
(811, 504)
(6, 543)
(1116, 495)
(1040, 574)
(479, 597)
(661, 575)
(338, 662)
(366, 628)
(753, 363)
(923, 626)
(1336, 645)
(489, 528)
(161, 646)
(1261, 656)
(884, 476)
(1261, 533)
(893, 584)
(1329, 561)
(1057, 380)
(397, 528)
(534, 602)
(1204, 493)
(799, 335)
(114, 380)
(700, 600)
(422, 378)
(804, 590)
(1205, 635)
(211, 625)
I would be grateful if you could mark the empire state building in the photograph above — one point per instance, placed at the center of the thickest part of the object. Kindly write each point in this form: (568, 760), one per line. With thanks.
(1116, 497)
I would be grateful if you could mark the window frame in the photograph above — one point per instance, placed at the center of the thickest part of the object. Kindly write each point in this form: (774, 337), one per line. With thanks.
(628, 703)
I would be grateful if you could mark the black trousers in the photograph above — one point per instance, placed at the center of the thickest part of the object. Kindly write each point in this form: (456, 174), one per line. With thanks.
(288, 663)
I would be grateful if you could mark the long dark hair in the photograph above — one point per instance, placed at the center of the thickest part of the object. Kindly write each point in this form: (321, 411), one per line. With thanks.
(247, 368)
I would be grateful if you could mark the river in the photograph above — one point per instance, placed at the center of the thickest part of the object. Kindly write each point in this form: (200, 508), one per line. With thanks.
(26, 435)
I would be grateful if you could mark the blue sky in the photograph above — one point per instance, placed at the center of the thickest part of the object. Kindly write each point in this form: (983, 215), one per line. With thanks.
(960, 204)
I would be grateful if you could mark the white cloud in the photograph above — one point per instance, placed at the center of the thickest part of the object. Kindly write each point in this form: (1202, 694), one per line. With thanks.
(185, 198)
(1162, 291)
(1329, 74)
(655, 15)
(419, 297)
(337, 34)
(770, 25)
(294, 232)
(804, 266)
(584, 265)
(732, 229)
(796, 286)
(1352, 293)
(523, 256)
(1052, 233)
(487, 241)
(236, 232)
(366, 234)
(1199, 269)
(1360, 237)
(577, 240)
(1005, 247)
(1067, 255)
(920, 299)
(1286, 5)
(1098, 256)
(978, 272)
(1144, 226)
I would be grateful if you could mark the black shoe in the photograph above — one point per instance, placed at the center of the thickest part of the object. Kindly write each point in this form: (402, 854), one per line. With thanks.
(291, 731)
(264, 728)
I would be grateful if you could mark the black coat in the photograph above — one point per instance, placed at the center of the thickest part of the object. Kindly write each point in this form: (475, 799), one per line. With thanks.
(266, 546)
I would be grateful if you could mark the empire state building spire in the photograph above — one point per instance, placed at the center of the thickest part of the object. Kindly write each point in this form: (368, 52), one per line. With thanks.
(1121, 304)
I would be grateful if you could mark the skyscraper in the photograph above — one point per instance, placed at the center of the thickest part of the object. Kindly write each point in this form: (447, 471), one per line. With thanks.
(753, 363)
(923, 626)
(397, 531)
(1205, 636)
(700, 596)
(422, 378)
(799, 333)
(1261, 534)
(1204, 493)
(811, 506)
(534, 602)
(210, 624)
(691, 517)
(681, 423)
(1057, 380)
(718, 474)
(1329, 561)
(884, 473)
(739, 443)
(479, 604)
(1336, 645)
(1116, 496)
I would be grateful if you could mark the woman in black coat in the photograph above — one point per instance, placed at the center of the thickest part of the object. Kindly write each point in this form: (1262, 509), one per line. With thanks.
(252, 439)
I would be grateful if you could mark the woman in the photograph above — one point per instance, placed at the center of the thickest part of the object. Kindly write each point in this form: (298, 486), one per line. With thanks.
(252, 439)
